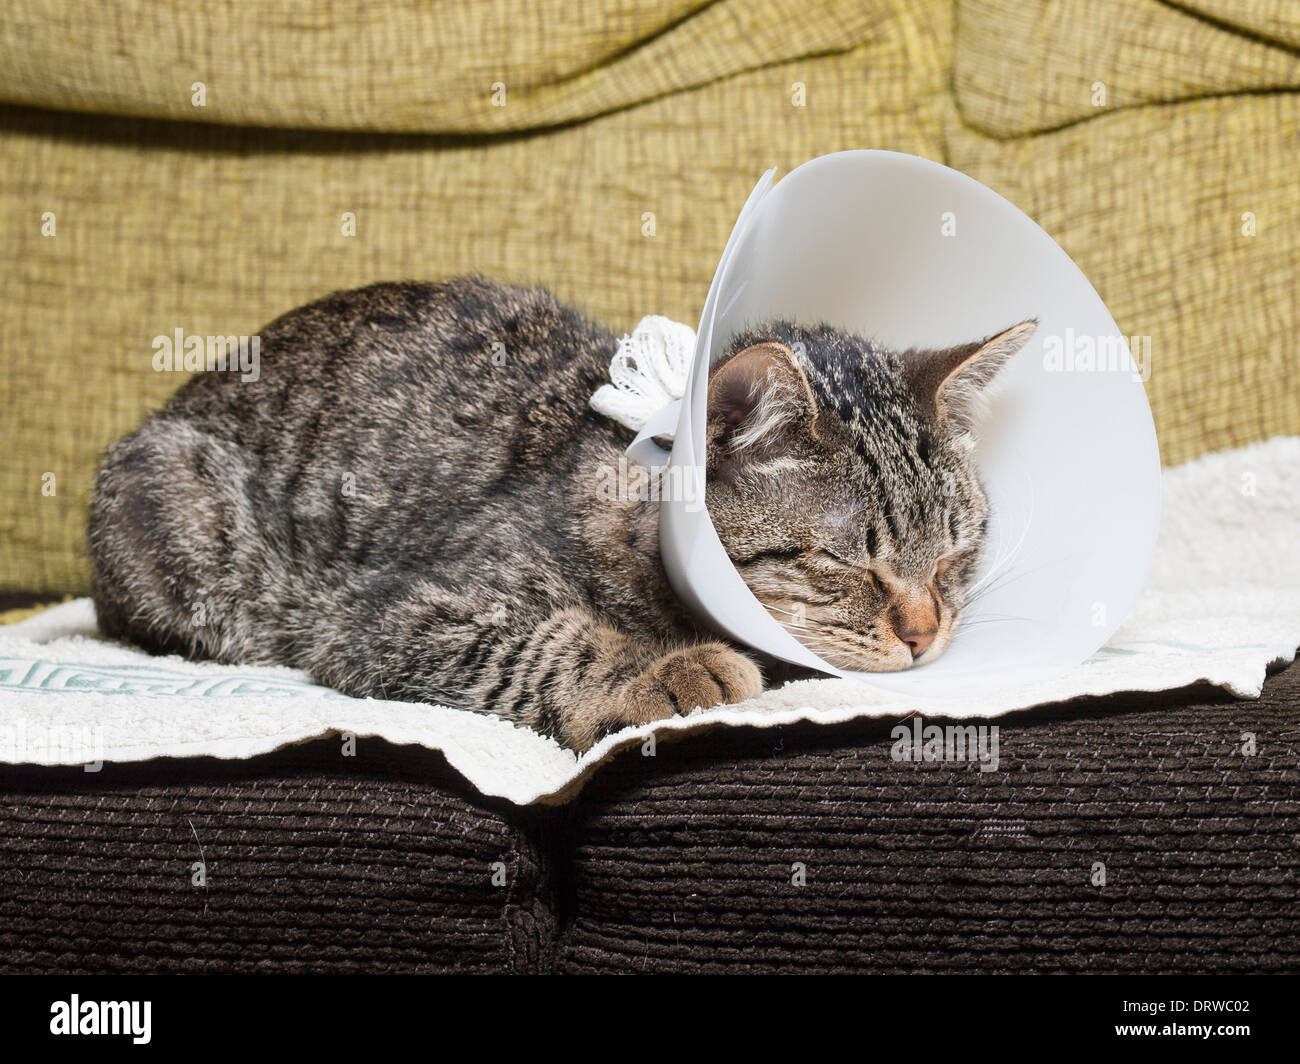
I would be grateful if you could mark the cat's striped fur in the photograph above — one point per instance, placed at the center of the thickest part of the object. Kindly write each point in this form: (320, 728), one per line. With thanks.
(404, 505)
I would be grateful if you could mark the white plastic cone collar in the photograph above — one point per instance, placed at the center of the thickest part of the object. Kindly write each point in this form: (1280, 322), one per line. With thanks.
(914, 254)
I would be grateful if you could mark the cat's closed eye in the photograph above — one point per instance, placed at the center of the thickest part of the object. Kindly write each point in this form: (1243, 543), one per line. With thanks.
(836, 561)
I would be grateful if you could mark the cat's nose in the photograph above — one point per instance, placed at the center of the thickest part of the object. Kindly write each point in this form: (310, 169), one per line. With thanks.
(916, 623)
(918, 642)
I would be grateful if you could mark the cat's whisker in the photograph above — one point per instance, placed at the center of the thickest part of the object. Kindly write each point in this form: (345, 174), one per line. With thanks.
(800, 623)
(1008, 557)
(994, 578)
(1009, 618)
(813, 641)
(1004, 580)
(1000, 565)
(805, 637)
(838, 640)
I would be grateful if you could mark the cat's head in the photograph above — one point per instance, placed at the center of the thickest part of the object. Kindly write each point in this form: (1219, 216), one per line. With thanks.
(842, 485)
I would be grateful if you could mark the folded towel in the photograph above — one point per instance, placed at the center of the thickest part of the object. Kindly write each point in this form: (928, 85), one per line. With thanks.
(1222, 603)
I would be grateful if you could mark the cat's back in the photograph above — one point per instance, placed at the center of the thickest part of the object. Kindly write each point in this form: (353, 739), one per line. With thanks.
(462, 356)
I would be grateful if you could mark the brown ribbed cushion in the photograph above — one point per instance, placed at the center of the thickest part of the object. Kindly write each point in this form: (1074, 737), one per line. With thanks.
(682, 862)
(315, 863)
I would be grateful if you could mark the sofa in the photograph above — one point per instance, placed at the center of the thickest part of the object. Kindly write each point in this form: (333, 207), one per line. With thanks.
(207, 167)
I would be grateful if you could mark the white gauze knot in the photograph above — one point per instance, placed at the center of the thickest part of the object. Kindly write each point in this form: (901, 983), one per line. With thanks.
(647, 372)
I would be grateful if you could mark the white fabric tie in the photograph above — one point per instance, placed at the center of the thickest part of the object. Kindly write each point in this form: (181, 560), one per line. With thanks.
(647, 372)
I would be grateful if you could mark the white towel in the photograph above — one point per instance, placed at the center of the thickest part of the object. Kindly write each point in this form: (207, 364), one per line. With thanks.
(1221, 604)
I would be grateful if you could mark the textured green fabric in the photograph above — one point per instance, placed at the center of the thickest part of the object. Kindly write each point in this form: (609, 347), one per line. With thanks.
(409, 68)
(1024, 66)
(215, 220)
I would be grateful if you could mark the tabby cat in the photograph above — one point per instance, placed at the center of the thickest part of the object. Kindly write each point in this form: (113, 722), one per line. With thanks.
(403, 505)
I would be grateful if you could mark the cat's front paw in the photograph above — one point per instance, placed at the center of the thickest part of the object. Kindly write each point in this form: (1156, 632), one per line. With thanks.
(703, 676)
(697, 677)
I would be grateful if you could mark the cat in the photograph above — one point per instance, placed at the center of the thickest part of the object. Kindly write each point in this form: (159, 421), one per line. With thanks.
(403, 505)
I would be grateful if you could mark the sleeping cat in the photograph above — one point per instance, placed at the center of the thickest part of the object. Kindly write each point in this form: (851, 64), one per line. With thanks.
(404, 505)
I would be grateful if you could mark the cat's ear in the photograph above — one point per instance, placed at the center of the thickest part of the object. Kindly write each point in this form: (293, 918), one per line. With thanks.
(759, 400)
(951, 383)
